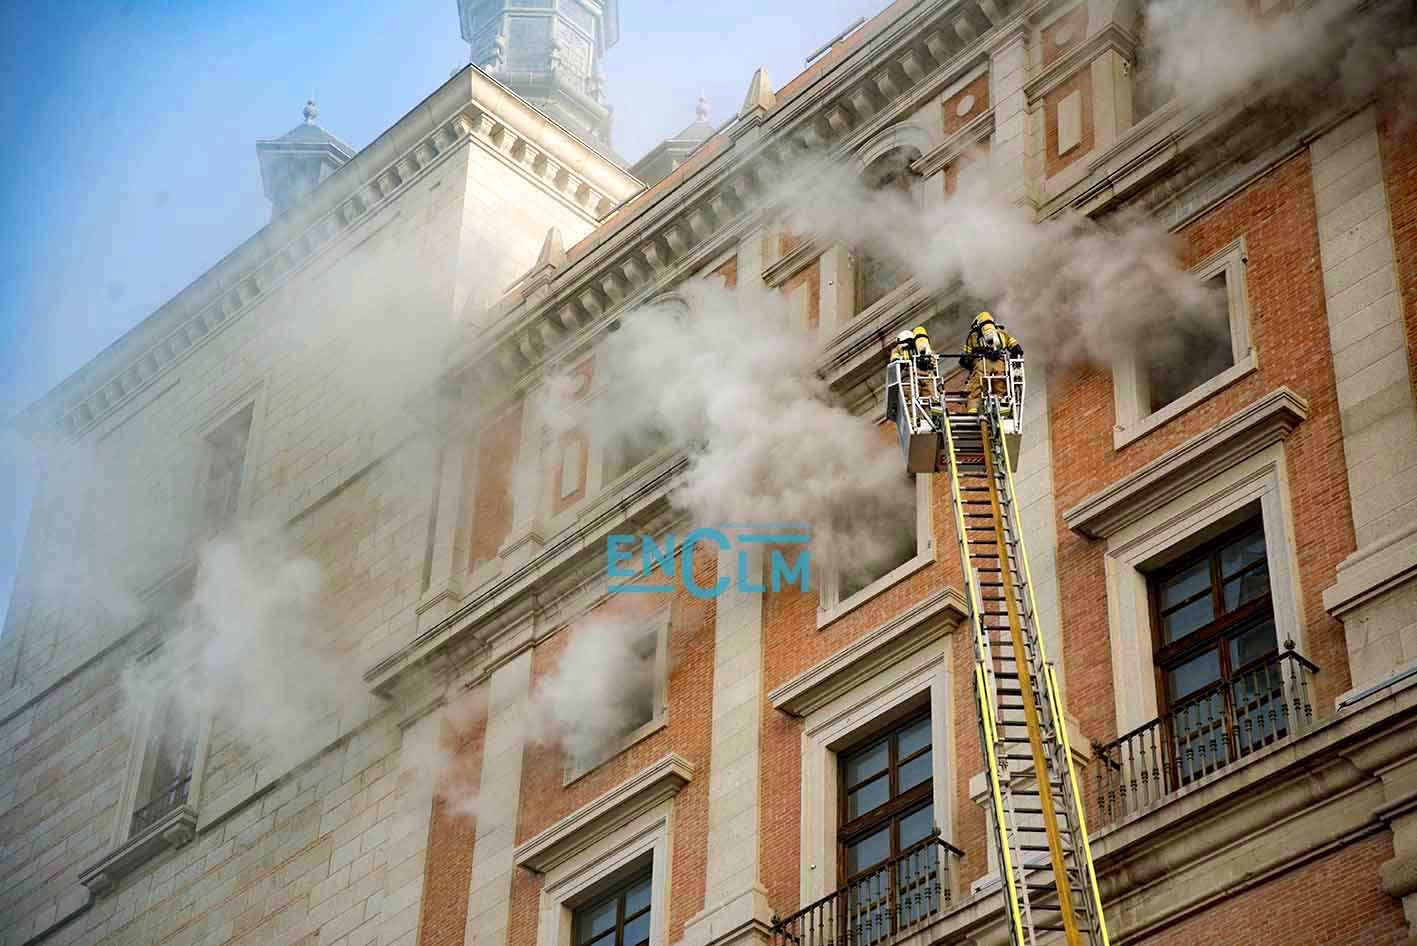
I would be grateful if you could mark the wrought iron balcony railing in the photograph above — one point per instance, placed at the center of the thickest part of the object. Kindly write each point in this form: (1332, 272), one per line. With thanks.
(1214, 728)
(893, 898)
(164, 800)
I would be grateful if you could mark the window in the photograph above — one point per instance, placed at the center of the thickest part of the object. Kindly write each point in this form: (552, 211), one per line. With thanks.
(1215, 653)
(888, 863)
(166, 774)
(877, 276)
(627, 451)
(904, 545)
(1173, 370)
(620, 917)
(636, 703)
(1187, 355)
(226, 447)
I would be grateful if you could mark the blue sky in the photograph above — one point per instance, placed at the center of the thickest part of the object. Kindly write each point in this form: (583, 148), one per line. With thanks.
(132, 127)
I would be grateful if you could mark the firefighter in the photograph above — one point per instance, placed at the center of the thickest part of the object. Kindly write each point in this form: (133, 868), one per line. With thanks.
(986, 349)
(901, 351)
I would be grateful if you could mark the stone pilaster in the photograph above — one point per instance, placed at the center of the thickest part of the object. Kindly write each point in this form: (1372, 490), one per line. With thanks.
(1009, 146)
(499, 796)
(528, 531)
(447, 561)
(1376, 592)
(735, 903)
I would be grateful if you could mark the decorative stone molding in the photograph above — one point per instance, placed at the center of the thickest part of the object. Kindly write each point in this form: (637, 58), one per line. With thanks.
(173, 830)
(1110, 37)
(893, 641)
(347, 198)
(978, 129)
(912, 55)
(1370, 572)
(1242, 434)
(594, 820)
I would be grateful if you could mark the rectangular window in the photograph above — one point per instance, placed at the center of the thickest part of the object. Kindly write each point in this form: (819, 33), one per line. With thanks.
(1198, 354)
(1216, 653)
(166, 773)
(904, 545)
(226, 447)
(619, 917)
(1187, 355)
(877, 276)
(641, 689)
(888, 861)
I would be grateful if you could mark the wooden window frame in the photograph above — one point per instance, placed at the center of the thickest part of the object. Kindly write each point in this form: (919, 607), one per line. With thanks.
(897, 805)
(1222, 627)
(617, 894)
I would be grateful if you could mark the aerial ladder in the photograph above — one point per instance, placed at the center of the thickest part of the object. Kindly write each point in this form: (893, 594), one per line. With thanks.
(1040, 836)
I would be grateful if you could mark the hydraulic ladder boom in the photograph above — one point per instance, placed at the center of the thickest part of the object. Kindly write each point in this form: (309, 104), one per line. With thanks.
(1045, 864)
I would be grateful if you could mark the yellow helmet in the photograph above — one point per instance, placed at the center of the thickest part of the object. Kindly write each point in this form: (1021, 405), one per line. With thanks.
(983, 317)
(920, 332)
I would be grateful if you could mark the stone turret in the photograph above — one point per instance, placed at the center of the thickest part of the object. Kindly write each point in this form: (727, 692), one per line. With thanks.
(549, 55)
(295, 163)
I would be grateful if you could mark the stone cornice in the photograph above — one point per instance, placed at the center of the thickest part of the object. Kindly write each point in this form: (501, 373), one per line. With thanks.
(1111, 37)
(1242, 434)
(979, 128)
(471, 108)
(594, 820)
(633, 256)
(507, 602)
(893, 641)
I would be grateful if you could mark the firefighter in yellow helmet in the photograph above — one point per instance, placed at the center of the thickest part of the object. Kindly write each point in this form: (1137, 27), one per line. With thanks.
(901, 351)
(986, 349)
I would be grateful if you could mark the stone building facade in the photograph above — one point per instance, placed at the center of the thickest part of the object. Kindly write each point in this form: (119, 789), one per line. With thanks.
(1226, 563)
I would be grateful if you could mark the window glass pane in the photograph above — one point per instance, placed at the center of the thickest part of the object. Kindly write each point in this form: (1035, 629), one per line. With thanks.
(1198, 672)
(915, 771)
(1185, 585)
(1253, 644)
(636, 931)
(916, 826)
(1242, 552)
(1247, 587)
(872, 795)
(1188, 619)
(868, 851)
(637, 897)
(594, 920)
(913, 738)
(867, 762)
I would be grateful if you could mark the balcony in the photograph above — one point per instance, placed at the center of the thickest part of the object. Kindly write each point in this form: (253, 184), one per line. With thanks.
(887, 901)
(1218, 727)
(164, 800)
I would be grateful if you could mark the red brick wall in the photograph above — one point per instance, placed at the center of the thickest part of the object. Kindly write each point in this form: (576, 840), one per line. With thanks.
(949, 108)
(792, 643)
(1290, 330)
(1075, 24)
(1333, 901)
(1054, 162)
(1397, 138)
(492, 499)
(450, 842)
(811, 276)
(544, 799)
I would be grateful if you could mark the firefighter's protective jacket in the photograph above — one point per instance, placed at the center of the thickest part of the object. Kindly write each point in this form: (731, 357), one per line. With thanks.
(979, 344)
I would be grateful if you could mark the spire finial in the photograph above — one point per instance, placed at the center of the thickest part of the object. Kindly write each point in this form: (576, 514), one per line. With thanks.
(309, 111)
(701, 111)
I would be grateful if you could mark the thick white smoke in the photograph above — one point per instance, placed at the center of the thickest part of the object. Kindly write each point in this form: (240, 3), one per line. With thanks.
(602, 685)
(1211, 52)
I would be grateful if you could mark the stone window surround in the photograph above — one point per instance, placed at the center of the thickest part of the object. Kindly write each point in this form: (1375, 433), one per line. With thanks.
(831, 608)
(658, 622)
(1259, 483)
(126, 852)
(903, 664)
(254, 397)
(603, 841)
(1133, 419)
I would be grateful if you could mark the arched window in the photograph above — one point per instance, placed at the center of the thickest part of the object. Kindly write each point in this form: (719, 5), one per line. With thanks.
(876, 273)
